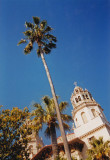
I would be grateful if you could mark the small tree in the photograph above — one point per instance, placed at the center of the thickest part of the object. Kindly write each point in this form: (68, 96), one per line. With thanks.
(13, 134)
(47, 115)
(99, 150)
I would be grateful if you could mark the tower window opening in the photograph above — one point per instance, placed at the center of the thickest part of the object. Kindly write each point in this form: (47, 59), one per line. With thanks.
(83, 96)
(76, 122)
(90, 95)
(76, 91)
(87, 96)
(79, 98)
(30, 149)
(84, 118)
(94, 112)
(76, 100)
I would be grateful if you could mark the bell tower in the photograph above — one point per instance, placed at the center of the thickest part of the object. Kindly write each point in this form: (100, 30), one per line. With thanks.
(35, 142)
(88, 116)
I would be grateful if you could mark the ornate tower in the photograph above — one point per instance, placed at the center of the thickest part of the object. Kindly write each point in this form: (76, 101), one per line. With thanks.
(35, 142)
(88, 117)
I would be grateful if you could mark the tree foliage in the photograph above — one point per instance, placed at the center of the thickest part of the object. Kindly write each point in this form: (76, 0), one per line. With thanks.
(13, 134)
(38, 32)
(62, 158)
(99, 150)
(46, 114)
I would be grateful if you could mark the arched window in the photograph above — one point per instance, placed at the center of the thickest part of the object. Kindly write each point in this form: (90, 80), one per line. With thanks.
(77, 122)
(76, 90)
(76, 100)
(87, 96)
(83, 96)
(84, 118)
(94, 112)
(79, 98)
(90, 96)
(30, 149)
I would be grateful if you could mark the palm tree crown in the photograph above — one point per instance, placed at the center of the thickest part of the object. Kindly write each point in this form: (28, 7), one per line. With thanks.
(38, 32)
(47, 115)
(99, 150)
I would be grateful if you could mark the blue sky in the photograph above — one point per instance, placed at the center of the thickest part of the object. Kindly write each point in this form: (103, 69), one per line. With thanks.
(82, 54)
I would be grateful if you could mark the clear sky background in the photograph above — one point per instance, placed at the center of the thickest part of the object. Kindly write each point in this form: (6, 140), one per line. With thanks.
(82, 28)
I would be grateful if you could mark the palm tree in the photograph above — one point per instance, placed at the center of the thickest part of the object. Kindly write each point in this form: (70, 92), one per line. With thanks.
(46, 114)
(39, 32)
(99, 150)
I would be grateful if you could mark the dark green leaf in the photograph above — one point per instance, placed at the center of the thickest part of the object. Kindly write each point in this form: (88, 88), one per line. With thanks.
(29, 25)
(51, 45)
(38, 52)
(46, 100)
(47, 132)
(26, 51)
(21, 41)
(46, 50)
(36, 20)
(54, 39)
(48, 29)
(28, 48)
(51, 37)
(27, 33)
(43, 24)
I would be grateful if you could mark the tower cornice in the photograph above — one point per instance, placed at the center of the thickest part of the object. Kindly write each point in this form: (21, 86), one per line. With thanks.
(85, 104)
(95, 130)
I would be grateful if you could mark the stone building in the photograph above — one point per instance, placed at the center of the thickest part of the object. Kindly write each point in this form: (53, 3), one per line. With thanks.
(89, 122)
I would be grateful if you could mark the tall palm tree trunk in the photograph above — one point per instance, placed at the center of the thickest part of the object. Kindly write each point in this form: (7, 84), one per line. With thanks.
(54, 140)
(57, 107)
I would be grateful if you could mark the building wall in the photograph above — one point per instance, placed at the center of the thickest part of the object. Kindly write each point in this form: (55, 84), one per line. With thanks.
(89, 118)
(92, 124)
(102, 132)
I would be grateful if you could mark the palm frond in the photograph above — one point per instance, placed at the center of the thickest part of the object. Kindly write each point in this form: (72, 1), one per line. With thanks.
(43, 24)
(56, 125)
(46, 50)
(46, 100)
(21, 41)
(66, 127)
(27, 33)
(51, 45)
(66, 118)
(36, 20)
(38, 52)
(36, 105)
(39, 112)
(47, 132)
(28, 48)
(51, 37)
(48, 28)
(29, 25)
(63, 106)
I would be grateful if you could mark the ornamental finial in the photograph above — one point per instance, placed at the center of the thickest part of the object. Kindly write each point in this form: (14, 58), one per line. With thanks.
(75, 83)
